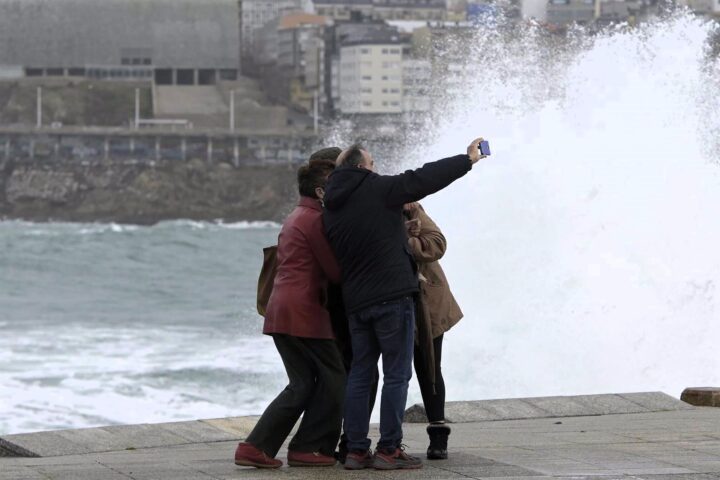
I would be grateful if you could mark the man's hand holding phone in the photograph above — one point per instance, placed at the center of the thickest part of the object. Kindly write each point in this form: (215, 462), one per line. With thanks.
(478, 150)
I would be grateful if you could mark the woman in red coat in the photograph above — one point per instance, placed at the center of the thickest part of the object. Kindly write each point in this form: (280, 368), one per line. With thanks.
(300, 325)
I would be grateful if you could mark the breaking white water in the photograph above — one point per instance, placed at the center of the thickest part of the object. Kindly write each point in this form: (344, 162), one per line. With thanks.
(585, 251)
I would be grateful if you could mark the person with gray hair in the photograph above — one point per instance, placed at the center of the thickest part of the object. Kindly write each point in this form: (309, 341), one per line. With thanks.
(365, 226)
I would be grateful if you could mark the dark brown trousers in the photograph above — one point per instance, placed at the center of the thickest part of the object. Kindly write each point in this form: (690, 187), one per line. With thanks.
(316, 390)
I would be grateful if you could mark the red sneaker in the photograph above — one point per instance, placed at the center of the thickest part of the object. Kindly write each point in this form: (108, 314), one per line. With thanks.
(357, 460)
(249, 455)
(309, 459)
(395, 459)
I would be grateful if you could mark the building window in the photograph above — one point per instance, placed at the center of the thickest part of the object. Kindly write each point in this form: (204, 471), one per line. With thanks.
(367, 104)
(206, 77)
(367, 77)
(365, 51)
(163, 76)
(185, 76)
(385, 90)
(395, 50)
(228, 74)
(385, 51)
(33, 72)
(135, 56)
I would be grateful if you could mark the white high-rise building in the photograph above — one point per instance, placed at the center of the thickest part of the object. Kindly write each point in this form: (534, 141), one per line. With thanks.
(417, 78)
(370, 77)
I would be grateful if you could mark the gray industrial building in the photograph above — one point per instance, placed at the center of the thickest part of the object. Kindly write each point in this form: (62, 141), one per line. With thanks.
(173, 42)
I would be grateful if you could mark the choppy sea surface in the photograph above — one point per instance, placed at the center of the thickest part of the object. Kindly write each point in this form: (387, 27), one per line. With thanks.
(107, 324)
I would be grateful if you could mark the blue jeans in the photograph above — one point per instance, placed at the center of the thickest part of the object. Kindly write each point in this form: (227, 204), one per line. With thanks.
(386, 329)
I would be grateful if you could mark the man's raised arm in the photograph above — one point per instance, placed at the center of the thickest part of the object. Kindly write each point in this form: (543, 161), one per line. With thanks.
(414, 185)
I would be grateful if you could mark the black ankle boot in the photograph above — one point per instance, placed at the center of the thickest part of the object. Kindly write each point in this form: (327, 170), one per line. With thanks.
(438, 434)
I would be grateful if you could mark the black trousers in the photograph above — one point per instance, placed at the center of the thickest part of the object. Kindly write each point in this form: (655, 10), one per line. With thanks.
(317, 387)
(434, 401)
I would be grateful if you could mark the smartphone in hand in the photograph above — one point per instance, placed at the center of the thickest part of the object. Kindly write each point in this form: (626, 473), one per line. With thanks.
(484, 147)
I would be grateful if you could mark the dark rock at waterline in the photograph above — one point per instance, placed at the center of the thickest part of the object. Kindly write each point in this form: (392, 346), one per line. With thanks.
(144, 194)
(702, 396)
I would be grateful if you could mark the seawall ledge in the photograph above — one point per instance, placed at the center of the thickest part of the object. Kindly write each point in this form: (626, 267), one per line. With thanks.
(134, 437)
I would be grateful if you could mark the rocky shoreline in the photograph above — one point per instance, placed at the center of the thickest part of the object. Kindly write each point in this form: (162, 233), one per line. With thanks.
(144, 194)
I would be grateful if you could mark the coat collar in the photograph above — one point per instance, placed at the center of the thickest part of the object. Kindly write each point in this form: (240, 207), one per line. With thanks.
(310, 203)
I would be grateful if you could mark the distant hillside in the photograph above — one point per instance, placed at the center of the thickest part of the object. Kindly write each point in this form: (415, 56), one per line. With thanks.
(73, 102)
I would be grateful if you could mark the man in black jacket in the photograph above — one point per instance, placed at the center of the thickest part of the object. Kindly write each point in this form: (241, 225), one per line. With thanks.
(364, 223)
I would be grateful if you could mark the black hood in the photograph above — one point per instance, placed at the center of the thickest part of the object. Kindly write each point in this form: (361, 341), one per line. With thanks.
(364, 225)
(342, 184)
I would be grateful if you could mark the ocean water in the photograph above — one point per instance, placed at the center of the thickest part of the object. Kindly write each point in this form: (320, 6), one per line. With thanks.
(110, 324)
(584, 251)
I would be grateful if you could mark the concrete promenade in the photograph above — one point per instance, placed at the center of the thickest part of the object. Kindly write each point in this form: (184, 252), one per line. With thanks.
(637, 436)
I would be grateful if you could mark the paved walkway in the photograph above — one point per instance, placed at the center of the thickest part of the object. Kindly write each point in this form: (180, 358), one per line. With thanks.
(679, 444)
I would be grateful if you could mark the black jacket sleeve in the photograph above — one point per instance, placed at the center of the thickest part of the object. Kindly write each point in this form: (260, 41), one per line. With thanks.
(414, 185)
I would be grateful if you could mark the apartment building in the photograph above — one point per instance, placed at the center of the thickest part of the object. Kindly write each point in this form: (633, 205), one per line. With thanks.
(370, 73)
(563, 12)
(301, 58)
(344, 9)
(705, 7)
(417, 78)
(422, 10)
(255, 14)
(410, 9)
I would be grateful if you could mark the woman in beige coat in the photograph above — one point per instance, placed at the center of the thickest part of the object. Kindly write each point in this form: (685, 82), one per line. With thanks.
(437, 313)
